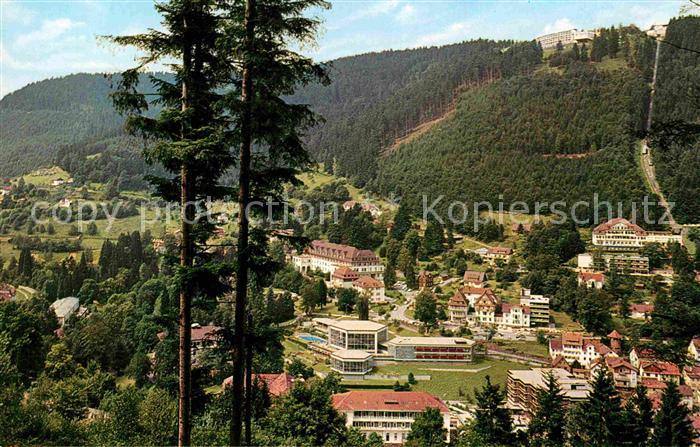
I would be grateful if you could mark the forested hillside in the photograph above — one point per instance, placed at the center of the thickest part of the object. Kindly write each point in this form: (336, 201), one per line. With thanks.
(677, 104)
(41, 118)
(516, 137)
(376, 98)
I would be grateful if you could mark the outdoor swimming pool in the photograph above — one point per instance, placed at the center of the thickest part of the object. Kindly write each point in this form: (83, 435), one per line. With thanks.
(312, 339)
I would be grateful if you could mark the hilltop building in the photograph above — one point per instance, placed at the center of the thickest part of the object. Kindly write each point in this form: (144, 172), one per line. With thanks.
(566, 37)
(592, 280)
(390, 414)
(327, 257)
(620, 234)
(498, 254)
(65, 308)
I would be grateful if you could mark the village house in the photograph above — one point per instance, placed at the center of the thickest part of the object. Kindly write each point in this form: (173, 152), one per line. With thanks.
(485, 308)
(327, 257)
(494, 255)
(204, 337)
(365, 206)
(513, 316)
(463, 302)
(658, 370)
(575, 347)
(523, 387)
(694, 350)
(620, 234)
(655, 389)
(691, 377)
(65, 308)
(474, 279)
(425, 280)
(389, 414)
(624, 374)
(366, 285)
(592, 280)
(278, 384)
(7, 292)
(638, 355)
(641, 311)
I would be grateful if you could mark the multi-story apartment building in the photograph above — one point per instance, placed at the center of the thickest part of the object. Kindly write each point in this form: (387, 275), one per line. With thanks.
(523, 386)
(371, 287)
(622, 235)
(575, 347)
(539, 307)
(498, 254)
(431, 349)
(389, 414)
(327, 257)
(513, 316)
(566, 37)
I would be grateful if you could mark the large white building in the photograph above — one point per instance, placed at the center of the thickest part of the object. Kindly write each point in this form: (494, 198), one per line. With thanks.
(566, 37)
(361, 335)
(574, 346)
(327, 257)
(389, 414)
(621, 234)
(431, 349)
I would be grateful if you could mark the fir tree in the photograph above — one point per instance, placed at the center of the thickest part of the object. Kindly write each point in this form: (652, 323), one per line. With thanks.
(362, 308)
(427, 430)
(597, 421)
(402, 223)
(492, 423)
(547, 425)
(671, 425)
(434, 237)
(638, 418)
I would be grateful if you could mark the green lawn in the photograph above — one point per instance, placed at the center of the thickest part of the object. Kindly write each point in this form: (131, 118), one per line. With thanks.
(453, 383)
(526, 347)
(564, 321)
(44, 177)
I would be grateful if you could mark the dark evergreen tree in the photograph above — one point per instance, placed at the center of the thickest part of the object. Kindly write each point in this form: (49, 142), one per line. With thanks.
(547, 428)
(492, 423)
(427, 430)
(597, 421)
(672, 426)
(402, 222)
(638, 417)
(434, 237)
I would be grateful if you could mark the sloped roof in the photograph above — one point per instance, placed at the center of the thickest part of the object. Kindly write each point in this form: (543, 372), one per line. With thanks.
(345, 273)
(604, 227)
(367, 282)
(204, 333)
(474, 276)
(458, 300)
(387, 401)
(592, 276)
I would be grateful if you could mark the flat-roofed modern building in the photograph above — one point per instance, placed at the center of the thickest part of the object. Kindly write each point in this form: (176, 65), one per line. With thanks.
(356, 334)
(523, 385)
(431, 349)
(389, 414)
(566, 37)
(539, 307)
(351, 362)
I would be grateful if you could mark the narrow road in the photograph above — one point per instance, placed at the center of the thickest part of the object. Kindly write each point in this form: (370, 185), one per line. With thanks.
(650, 175)
(400, 312)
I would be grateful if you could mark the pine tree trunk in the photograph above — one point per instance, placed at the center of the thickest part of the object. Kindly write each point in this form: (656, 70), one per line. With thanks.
(249, 381)
(243, 228)
(186, 260)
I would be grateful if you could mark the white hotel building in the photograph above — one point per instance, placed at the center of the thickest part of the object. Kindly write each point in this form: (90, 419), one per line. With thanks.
(566, 37)
(621, 234)
(389, 414)
(327, 257)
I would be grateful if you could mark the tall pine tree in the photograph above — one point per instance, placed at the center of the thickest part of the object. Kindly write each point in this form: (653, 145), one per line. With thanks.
(671, 424)
(548, 423)
(597, 421)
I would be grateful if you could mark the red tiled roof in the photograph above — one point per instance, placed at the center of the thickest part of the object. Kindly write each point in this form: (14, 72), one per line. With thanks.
(345, 273)
(555, 344)
(692, 372)
(277, 384)
(500, 251)
(340, 252)
(604, 227)
(662, 368)
(204, 332)
(387, 401)
(458, 300)
(367, 282)
(506, 308)
(615, 335)
(599, 347)
(618, 362)
(642, 308)
(472, 276)
(696, 342)
(572, 338)
(592, 276)
(560, 362)
(695, 421)
(654, 384)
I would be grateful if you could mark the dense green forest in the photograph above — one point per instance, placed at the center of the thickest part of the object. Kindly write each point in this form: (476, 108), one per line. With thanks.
(72, 113)
(516, 138)
(378, 97)
(677, 105)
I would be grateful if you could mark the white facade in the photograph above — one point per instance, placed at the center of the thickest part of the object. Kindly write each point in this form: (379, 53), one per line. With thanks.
(621, 234)
(566, 37)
